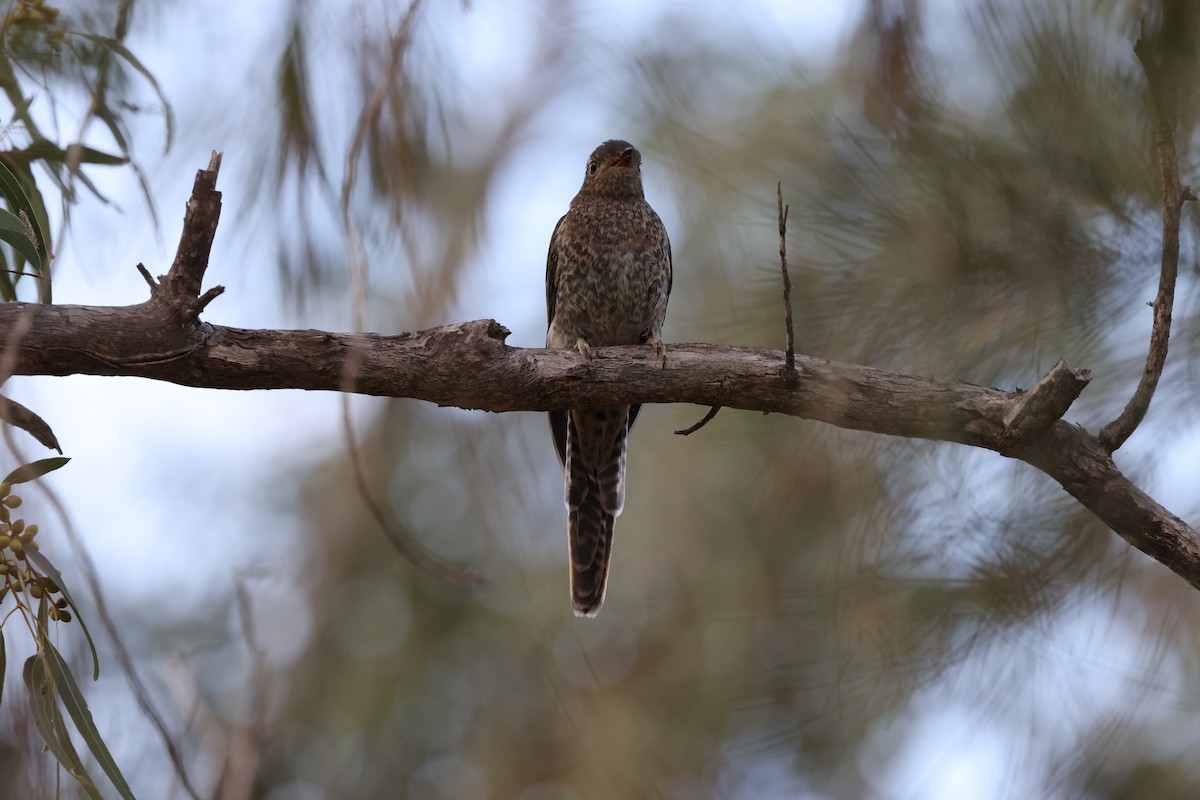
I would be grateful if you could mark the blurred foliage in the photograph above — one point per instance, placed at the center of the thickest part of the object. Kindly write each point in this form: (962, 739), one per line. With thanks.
(45, 55)
(794, 610)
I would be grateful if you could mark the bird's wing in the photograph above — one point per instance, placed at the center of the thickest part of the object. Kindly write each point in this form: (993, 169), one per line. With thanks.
(636, 408)
(552, 273)
(558, 419)
(670, 267)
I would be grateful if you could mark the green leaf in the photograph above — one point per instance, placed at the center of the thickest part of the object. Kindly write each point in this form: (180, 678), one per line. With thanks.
(28, 472)
(8, 292)
(51, 572)
(14, 194)
(124, 52)
(43, 704)
(47, 150)
(13, 190)
(13, 231)
(77, 708)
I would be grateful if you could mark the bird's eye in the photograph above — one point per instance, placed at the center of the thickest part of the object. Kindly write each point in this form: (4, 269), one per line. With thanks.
(592, 167)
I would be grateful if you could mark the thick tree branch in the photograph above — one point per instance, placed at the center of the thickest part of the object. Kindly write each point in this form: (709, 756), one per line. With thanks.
(1164, 95)
(468, 365)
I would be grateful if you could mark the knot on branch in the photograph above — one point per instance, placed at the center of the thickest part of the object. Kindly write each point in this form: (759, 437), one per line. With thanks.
(480, 339)
(180, 306)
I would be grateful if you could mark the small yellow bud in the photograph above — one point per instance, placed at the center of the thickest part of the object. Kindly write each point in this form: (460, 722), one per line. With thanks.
(36, 591)
(12, 501)
(32, 529)
(5, 489)
(17, 527)
(16, 545)
(4, 540)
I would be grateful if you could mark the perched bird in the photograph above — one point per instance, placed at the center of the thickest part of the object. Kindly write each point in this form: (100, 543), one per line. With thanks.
(608, 277)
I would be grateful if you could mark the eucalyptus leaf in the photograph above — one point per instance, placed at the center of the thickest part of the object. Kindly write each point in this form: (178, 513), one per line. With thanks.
(13, 231)
(124, 52)
(81, 715)
(50, 571)
(35, 469)
(48, 719)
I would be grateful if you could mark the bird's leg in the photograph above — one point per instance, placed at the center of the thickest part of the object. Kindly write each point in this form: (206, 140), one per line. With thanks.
(584, 349)
(659, 349)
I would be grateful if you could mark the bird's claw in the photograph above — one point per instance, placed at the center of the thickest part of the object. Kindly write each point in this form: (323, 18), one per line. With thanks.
(585, 350)
(659, 349)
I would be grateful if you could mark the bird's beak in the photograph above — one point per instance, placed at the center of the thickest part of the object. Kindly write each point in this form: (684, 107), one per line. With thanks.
(625, 159)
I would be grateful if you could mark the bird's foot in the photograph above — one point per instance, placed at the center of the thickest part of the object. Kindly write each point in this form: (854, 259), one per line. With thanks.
(659, 349)
(584, 349)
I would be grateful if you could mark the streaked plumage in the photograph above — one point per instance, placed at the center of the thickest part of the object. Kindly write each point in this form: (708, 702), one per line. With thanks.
(608, 277)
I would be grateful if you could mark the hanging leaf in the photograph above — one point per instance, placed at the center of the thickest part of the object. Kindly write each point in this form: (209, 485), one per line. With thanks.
(50, 571)
(81, 715)
(47, 150)
(19, 416)
(48, 719)
(124, 52)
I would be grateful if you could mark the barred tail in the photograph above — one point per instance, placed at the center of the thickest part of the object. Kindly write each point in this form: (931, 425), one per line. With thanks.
(590, 536)
(595, 494)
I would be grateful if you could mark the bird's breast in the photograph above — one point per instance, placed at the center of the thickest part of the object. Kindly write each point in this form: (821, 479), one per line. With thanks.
(611, 283)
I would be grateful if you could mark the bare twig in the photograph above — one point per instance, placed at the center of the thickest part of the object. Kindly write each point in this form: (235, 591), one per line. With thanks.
(790, 357)
(147, 277)
(707, 418)
(1115, 433)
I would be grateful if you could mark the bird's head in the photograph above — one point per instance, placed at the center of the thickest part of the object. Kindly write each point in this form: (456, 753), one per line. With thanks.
(614, 169)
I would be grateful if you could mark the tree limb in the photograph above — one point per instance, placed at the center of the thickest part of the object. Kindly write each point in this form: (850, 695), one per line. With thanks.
(1175, 194)
(468, 365)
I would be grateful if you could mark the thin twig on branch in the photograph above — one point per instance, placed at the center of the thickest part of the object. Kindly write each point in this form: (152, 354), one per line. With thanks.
(1175, 194)
(707, 418)
(790, 356)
